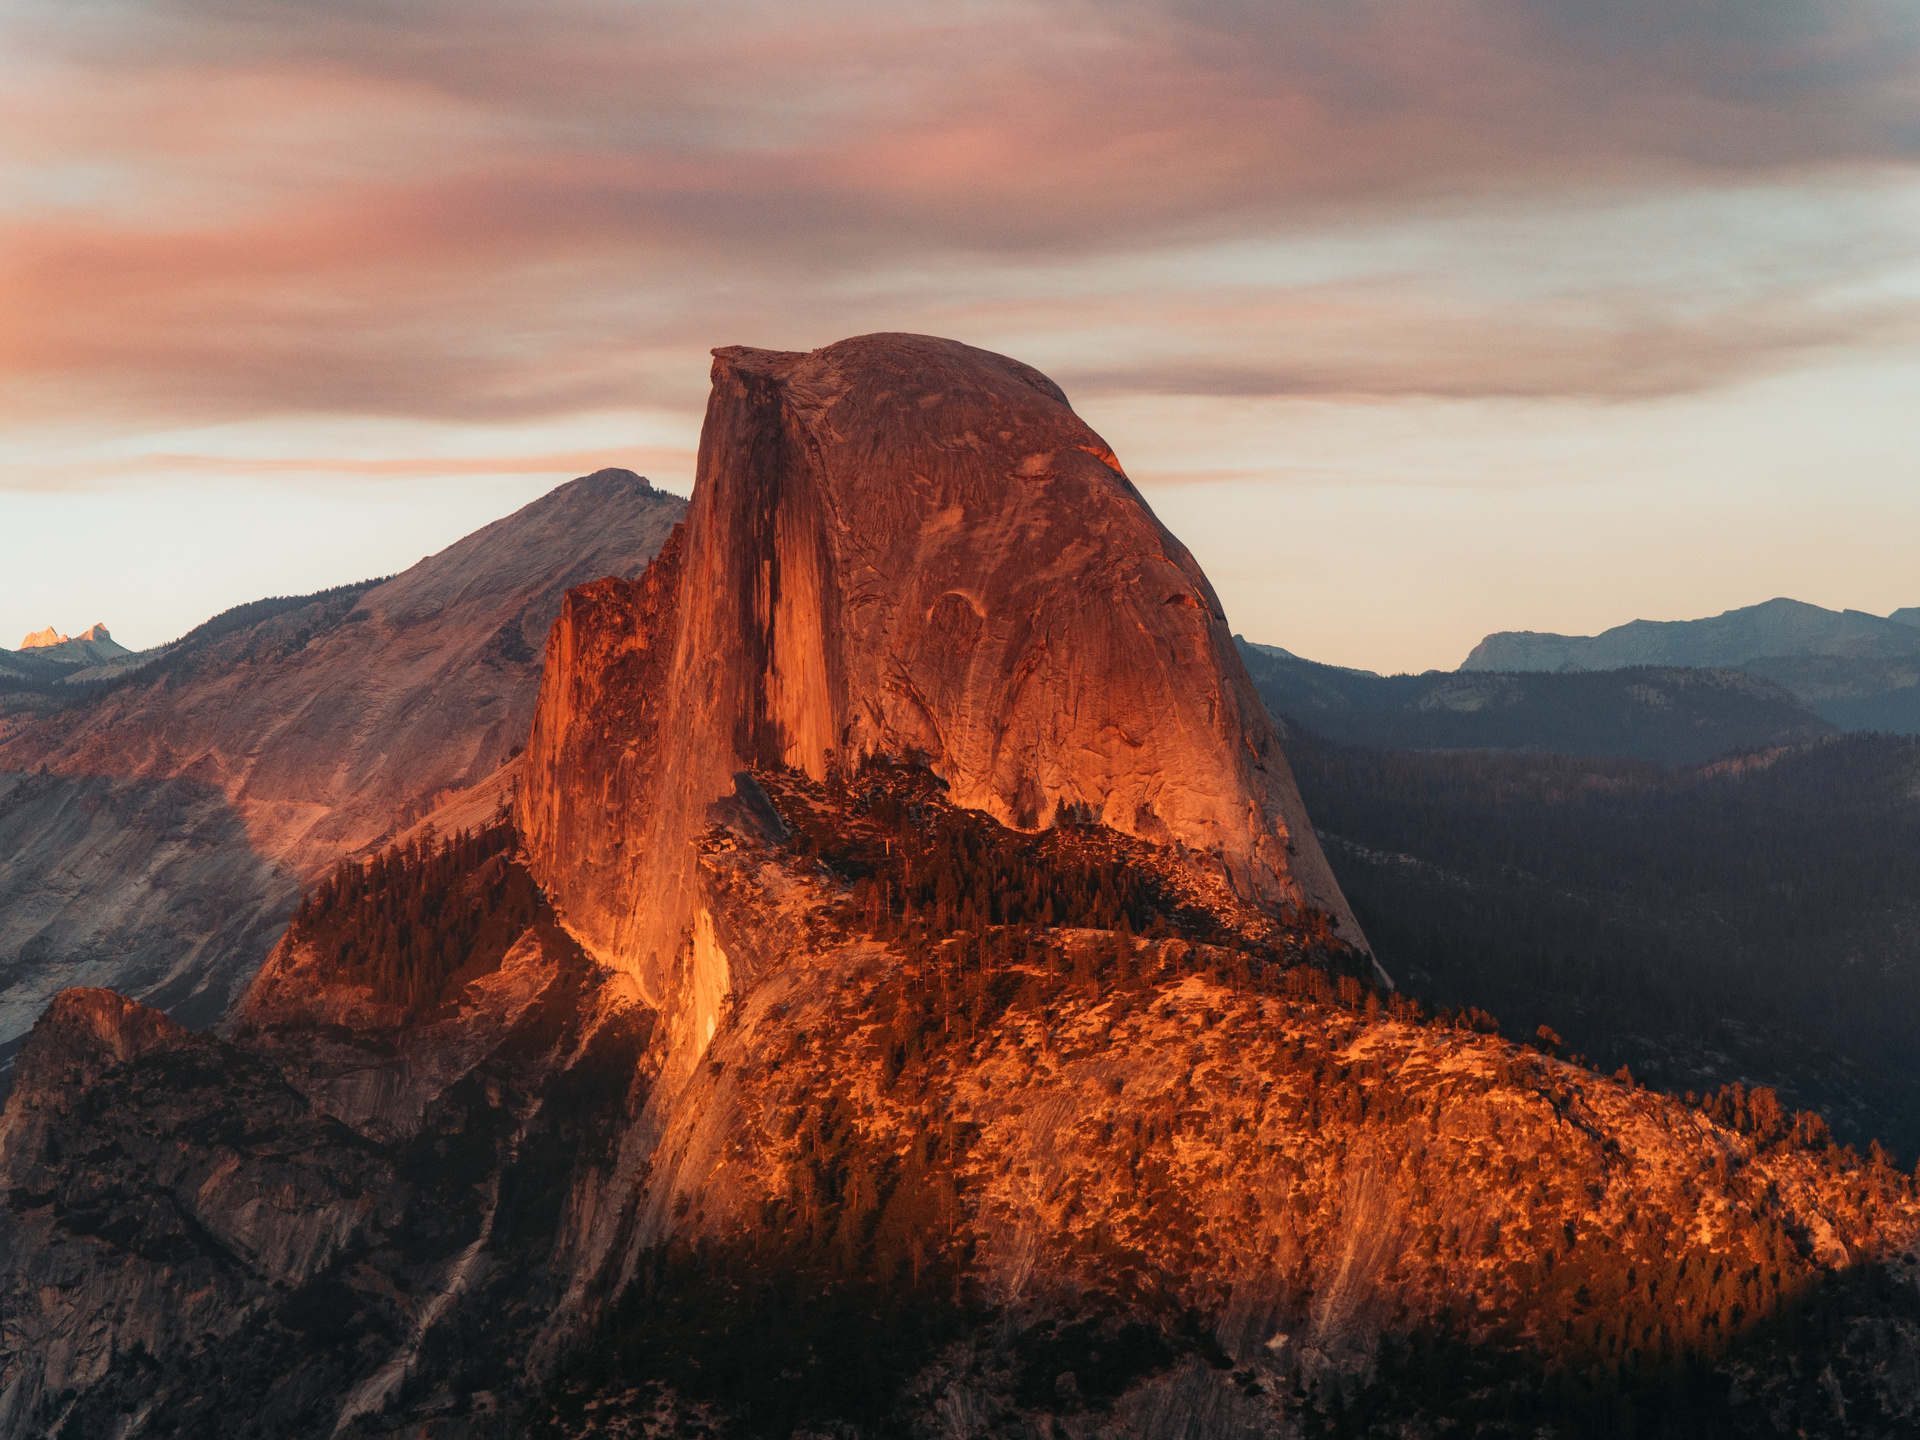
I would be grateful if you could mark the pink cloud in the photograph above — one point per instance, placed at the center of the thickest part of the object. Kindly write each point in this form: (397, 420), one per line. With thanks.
(517, 210)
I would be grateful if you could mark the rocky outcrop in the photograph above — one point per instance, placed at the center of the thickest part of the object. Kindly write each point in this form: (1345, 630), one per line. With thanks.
(89, 649)
(95, 643)
(899, 544)
(154, 837)
(162, 1187)
(1036, 1180)
(50, 670)
(276, 1234)
(380, 1069)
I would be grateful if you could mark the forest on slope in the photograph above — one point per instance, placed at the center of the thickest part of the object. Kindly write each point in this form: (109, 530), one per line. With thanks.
(1749, 920)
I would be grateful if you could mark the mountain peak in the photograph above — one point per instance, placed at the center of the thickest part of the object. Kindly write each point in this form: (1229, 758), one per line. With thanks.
(1778, 627)
(89, 648)
(902, 545)
(85, 1029)
(50, 638)
(614, 475)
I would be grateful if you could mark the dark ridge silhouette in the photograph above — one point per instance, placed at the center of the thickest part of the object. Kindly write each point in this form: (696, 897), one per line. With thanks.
(1753, 919)
(1676, 716)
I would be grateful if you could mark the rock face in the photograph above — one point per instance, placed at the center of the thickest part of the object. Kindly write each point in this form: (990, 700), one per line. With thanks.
(40, 638)
(257, 1238)
(900, 544)
(153, 837)
(207, 1183)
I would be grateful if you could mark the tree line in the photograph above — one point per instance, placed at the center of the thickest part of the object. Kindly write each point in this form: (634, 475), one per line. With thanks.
(415, 916)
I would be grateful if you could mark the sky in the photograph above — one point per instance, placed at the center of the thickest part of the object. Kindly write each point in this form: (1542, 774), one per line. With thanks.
(1414, 319)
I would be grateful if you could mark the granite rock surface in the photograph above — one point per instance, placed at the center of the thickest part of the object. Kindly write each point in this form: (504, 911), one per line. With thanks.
(900, 544)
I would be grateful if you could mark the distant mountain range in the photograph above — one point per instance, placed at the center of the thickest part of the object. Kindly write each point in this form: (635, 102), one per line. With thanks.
(1675, 715)
(160, 811)
(1729, 640)
(1859, 671)
(50, 668)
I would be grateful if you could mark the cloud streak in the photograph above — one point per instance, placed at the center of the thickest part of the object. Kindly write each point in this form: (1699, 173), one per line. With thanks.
(645, 459)
(227, 211)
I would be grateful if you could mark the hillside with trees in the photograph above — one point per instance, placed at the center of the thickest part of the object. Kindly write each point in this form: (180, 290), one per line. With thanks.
(1751, 920)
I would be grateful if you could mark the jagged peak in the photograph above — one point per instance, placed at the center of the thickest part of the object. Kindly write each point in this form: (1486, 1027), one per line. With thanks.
(52, 639)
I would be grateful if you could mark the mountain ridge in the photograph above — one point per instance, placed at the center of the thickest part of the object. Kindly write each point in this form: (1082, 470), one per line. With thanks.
(155, 834)
(1859, 671)
(1729, 640)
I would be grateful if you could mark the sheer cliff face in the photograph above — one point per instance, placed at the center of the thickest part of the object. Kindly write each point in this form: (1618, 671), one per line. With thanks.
(901, 544)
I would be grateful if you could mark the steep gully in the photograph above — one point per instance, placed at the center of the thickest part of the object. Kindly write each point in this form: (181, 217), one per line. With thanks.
(944, 1023)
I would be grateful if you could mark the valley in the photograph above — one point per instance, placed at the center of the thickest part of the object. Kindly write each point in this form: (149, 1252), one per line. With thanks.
(1744, 921)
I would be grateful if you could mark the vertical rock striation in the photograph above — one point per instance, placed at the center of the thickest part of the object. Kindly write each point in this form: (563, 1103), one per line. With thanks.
(901, 544)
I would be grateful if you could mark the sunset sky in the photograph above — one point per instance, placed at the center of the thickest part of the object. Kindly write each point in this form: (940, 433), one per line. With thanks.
(1414, 320)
